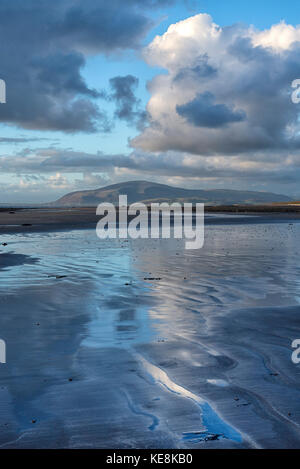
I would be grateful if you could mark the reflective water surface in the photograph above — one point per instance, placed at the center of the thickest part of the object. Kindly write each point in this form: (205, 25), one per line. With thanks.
(100, 355)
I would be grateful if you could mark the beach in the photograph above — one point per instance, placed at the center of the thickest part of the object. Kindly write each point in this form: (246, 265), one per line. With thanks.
(144, 344)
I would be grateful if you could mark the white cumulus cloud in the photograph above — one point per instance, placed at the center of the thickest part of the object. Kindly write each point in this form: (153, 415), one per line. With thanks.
(227, 91)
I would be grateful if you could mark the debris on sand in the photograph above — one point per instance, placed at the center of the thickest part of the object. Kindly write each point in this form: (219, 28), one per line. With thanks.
(212, 437)
(197, 437)
(152, 278)
(57, 276)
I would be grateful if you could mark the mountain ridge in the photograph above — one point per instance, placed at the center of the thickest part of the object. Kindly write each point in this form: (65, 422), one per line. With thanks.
(147, 192)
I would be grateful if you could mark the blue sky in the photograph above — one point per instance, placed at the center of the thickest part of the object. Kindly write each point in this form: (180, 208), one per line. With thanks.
(261, 14)
(39, 136)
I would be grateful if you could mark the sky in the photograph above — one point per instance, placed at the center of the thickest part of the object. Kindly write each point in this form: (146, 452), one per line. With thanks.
(190, 93)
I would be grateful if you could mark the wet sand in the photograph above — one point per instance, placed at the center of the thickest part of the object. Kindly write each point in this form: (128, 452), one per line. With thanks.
(100, 357)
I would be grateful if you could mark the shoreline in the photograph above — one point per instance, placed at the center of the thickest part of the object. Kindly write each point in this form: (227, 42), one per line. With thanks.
(41, 220)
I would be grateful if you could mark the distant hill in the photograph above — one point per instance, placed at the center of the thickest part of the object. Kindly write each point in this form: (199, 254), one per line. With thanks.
(147, 192)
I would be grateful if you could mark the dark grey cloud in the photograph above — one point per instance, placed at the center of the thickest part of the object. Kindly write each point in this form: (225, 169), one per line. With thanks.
(22, 139)
(103, 26)
(203, 112)
(43, 49)
(128, 106)
(170, 164)
(202, 69)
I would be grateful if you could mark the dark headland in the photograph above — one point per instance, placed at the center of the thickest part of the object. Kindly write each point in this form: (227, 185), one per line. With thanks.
(78, 209)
